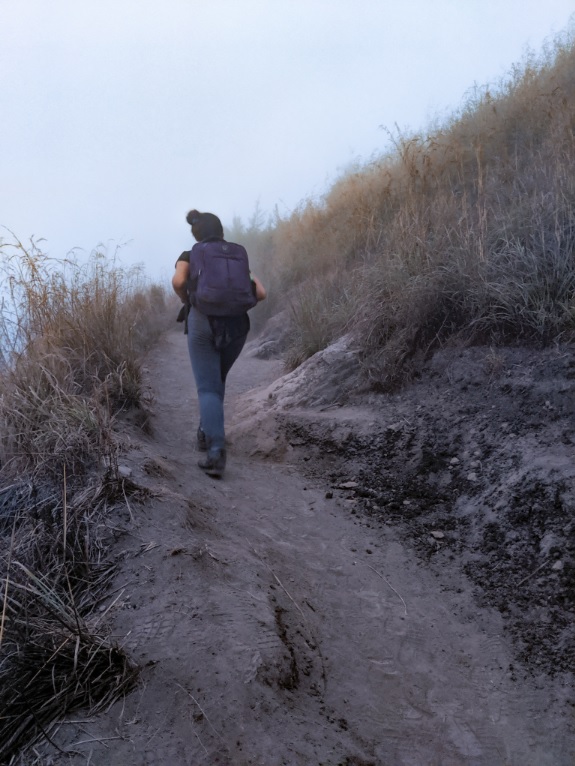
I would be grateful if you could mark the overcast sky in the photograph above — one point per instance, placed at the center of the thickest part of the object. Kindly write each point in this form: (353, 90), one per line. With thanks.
(118, 116)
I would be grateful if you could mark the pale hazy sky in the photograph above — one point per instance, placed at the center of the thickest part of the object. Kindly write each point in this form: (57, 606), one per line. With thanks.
(118, 116)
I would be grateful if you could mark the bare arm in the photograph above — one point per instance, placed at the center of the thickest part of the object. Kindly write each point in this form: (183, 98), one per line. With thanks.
(180, 280)
(260, 289)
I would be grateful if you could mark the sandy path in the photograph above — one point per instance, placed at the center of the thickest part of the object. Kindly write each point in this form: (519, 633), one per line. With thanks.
(277, 628)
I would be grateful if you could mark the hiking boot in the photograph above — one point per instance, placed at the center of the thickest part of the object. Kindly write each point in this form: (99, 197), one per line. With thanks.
(214, 463)
(202, 440)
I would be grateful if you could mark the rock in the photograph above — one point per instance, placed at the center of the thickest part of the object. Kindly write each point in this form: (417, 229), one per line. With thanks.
(454, 461)
(348, 485)
(124, 471)
(472, 477)
(557, 566)
(437, 534)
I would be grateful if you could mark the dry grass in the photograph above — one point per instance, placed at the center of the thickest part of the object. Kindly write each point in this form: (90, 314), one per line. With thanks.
(466, 234)
(54, 657)
(320, 309)
(72, 338)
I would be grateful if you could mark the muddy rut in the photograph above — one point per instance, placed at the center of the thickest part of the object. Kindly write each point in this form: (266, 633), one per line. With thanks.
(277, 627)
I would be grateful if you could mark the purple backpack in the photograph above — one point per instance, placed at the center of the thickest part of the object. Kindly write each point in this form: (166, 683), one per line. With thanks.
(220, 281)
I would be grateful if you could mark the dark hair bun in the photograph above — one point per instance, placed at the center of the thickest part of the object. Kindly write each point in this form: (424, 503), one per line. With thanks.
(204, 225)
(193, 217)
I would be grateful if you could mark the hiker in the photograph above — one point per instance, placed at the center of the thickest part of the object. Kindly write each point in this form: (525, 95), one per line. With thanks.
(217, 323)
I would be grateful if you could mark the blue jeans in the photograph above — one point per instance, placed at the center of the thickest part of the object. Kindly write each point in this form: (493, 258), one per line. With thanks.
(211, 367)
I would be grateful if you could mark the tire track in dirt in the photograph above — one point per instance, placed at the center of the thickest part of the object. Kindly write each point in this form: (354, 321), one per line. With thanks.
(275, 628)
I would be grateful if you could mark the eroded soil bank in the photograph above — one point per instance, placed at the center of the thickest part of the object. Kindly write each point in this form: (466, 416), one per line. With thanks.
(370, 583)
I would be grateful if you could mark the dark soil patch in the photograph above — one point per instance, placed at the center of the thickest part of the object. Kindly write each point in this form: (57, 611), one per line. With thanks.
(476, 470)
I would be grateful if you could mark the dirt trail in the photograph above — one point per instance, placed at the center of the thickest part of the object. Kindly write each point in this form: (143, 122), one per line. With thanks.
(277, 627)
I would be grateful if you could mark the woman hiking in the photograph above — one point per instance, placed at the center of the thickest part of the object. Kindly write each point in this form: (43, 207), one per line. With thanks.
(214, 283)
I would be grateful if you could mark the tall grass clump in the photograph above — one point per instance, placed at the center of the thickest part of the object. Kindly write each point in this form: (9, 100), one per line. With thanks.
(465, 234)
(319, 310)
(72, 339)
